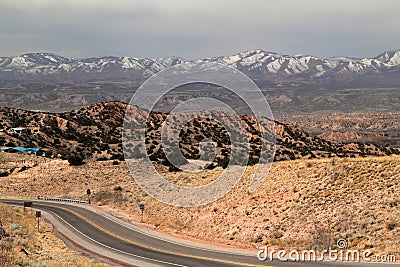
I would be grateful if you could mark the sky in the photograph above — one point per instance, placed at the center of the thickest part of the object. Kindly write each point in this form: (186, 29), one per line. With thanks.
(199, 29)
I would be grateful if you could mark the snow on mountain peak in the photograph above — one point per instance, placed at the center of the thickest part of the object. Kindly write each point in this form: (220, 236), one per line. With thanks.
(255, 62)
(390, 57)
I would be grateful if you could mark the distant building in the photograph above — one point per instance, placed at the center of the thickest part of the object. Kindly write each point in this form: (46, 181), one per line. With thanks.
(26, 150)
(19, 130)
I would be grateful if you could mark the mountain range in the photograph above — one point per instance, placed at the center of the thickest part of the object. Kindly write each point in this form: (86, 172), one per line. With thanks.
(259, 64)
(298, 84)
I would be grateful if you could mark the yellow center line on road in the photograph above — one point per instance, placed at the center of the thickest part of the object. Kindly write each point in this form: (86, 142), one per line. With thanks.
(152, 248)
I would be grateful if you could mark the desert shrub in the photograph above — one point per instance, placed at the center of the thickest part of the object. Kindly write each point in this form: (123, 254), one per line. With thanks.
(174, 169)
(277, 234)
(394, 203)
(253, 161)
(117, 188)
(39, 264)
(102, 196)
(391, 225)
(224, 162)
(258, 239)
(211, 166)
(56, 141)
(322, 237)
(104, 147)
(119, 157)
(75, 160)
(10, 144)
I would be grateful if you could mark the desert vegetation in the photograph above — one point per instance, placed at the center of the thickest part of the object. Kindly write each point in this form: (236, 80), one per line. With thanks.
(22, 245)
(95, 133)
(302, 204)
(316, 192)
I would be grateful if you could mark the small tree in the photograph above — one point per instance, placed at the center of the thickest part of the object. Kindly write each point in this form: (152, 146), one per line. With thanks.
(75, 160)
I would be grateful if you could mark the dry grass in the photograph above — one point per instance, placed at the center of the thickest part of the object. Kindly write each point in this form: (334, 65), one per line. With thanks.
(302, 203)
(24, 246)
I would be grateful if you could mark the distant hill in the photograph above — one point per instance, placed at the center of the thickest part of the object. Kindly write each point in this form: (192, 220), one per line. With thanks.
(377, 128)
(96, 132)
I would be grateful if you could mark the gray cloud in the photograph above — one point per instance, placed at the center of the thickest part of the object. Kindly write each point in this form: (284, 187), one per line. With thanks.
(194, 29)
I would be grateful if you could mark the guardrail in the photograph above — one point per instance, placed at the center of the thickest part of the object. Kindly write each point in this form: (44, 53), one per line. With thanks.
(62, 199)
(7, 167)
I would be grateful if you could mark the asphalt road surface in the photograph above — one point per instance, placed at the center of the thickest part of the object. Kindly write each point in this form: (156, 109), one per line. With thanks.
(107, 238)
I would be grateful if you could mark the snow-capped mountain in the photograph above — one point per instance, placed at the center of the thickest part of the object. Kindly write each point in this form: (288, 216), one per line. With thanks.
(256, 63)
(48, 63)
(272, 63)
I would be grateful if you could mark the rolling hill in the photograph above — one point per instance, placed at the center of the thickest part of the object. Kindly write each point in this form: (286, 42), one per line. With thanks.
(95, 132)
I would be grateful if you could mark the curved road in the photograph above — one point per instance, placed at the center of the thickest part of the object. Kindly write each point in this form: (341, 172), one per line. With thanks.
(105, 237)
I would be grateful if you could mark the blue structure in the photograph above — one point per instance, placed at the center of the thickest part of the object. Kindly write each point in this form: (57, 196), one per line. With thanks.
(20, 149)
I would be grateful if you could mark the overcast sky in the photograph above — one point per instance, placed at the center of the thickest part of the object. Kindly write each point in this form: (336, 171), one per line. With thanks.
(197, 29)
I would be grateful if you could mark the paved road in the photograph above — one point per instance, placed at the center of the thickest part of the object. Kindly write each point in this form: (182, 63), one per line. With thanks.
(104, 237)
